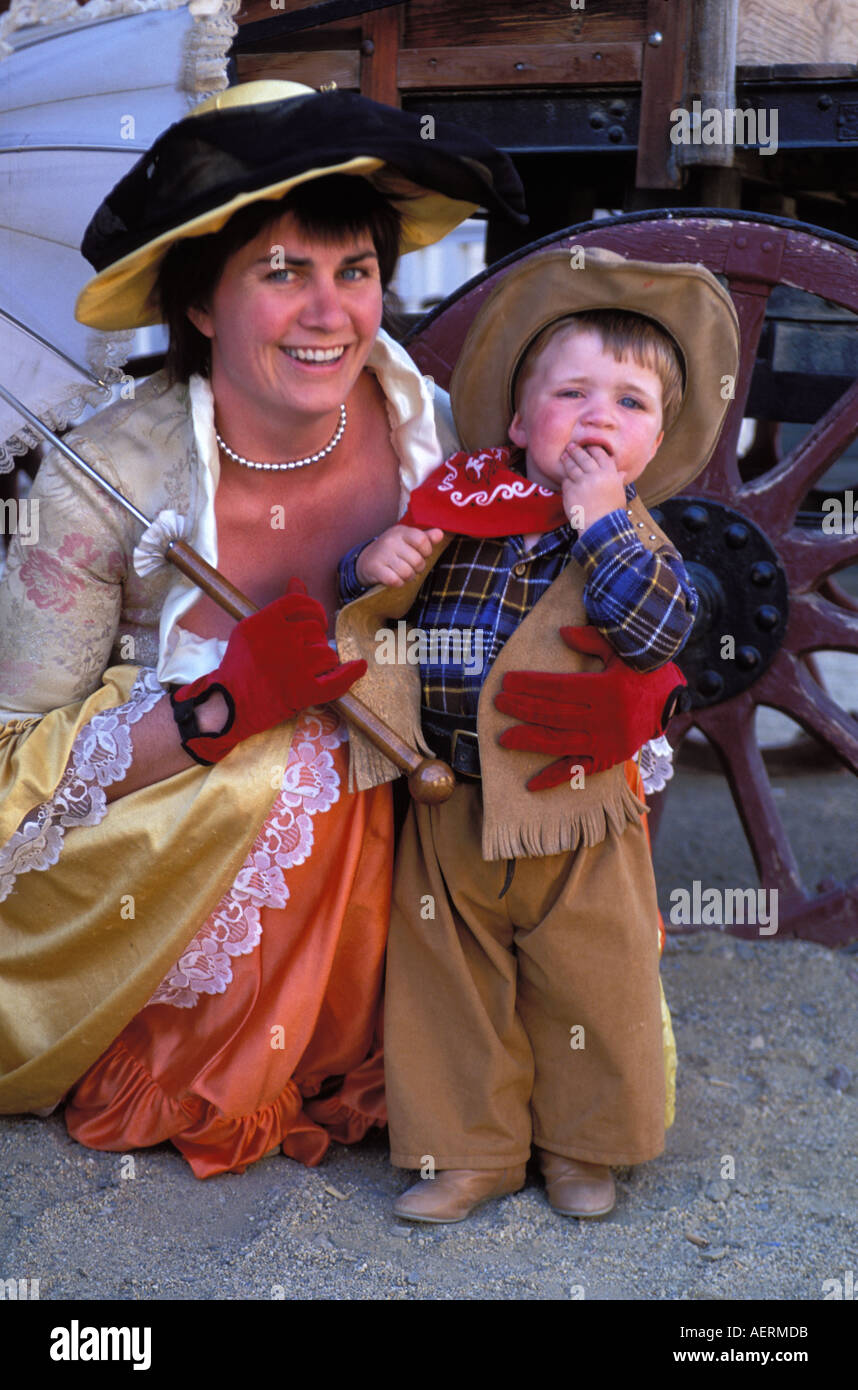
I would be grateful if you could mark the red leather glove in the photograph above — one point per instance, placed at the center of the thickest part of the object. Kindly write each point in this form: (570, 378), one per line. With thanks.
(595, 719)
(276, 663)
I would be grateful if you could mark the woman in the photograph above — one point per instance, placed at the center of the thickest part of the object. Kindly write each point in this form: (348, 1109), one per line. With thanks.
(195, 916)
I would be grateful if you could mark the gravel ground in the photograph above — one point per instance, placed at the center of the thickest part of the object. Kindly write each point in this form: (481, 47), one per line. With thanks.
(768, 1078)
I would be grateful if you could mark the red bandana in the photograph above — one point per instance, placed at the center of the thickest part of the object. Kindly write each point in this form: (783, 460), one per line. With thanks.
(478, 495)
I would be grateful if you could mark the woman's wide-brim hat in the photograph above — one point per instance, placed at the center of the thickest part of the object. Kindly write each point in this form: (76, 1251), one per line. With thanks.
(685, 300)
(257, 141)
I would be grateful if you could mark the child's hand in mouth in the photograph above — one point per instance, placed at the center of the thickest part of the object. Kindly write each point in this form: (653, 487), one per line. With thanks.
(589, 445)
(593, 485)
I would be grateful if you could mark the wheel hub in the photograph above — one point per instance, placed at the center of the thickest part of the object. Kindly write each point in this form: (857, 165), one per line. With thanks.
(743, 592)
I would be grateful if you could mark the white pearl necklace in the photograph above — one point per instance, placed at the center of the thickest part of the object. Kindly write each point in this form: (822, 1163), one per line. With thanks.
(295, 463)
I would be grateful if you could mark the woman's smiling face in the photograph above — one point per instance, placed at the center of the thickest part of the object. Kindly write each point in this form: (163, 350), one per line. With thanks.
(292, 320)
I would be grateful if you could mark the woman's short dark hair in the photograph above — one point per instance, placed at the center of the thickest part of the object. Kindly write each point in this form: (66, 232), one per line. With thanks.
(331, 209)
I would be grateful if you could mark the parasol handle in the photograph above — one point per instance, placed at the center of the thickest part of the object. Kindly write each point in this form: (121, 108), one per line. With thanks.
(429, 780)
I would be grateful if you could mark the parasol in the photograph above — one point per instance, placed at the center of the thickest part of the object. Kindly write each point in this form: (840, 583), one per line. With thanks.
(68, 132)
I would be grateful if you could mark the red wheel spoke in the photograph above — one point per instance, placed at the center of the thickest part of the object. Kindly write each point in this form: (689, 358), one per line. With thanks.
(810, 556)
(776, 496)
(789, 687)
(815, 625)
(722, 478)
(831, 919)
(730, 728)
(750, 305)
(831, 589)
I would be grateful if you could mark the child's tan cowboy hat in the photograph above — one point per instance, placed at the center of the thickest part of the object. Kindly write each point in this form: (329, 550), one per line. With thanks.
(259, 140)
(685, 300)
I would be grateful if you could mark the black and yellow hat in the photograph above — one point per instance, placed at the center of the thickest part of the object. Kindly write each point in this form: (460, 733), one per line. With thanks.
(259, 140)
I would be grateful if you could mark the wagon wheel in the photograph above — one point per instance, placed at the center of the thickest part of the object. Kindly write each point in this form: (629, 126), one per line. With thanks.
(742, 537)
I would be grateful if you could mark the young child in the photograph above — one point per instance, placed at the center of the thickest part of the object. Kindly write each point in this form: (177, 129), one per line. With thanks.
(523, 1005)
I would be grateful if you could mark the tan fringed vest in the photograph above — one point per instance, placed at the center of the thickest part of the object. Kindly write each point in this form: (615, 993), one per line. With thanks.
(517, 823)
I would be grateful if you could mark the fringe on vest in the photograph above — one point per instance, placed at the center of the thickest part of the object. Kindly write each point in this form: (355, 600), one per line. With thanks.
(557, 833)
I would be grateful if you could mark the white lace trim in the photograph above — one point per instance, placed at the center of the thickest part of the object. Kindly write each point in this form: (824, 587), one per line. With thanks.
(101, 755)
(656, 764)
(57, 415)
(309, 787)
(208, 46)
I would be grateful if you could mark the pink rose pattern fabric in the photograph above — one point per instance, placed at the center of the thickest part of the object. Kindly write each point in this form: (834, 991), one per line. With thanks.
(50, 583)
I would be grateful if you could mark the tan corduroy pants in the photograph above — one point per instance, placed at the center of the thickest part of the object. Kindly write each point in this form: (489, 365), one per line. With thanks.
(528, 1019)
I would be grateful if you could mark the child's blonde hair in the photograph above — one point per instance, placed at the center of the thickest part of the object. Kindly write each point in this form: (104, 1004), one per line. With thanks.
(625, 335)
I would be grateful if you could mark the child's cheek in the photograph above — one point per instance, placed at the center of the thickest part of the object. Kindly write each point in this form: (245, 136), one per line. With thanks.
(565, 408)
(558, 419)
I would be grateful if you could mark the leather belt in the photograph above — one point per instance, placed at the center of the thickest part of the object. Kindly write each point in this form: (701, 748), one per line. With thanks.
(457, 746)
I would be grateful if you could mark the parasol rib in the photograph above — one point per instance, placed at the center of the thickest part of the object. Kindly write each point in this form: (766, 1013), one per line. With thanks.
(57, 352)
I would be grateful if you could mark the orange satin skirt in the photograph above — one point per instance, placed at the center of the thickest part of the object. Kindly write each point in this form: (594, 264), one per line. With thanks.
(278, 1042)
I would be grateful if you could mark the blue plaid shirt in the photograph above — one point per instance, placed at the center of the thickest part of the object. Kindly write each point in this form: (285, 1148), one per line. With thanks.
(640, 600)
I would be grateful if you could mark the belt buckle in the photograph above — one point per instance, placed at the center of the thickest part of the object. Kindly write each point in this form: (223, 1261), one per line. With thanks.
(475, 751)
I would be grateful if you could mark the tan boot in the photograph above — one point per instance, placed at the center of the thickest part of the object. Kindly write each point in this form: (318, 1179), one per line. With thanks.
(454, 1193)
(576, 1188)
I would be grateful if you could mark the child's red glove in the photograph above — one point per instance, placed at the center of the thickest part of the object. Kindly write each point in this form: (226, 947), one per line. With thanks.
(276, 663)
(595, 719)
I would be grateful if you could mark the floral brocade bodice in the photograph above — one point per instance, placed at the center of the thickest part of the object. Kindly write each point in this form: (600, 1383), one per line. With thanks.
(71, 603)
